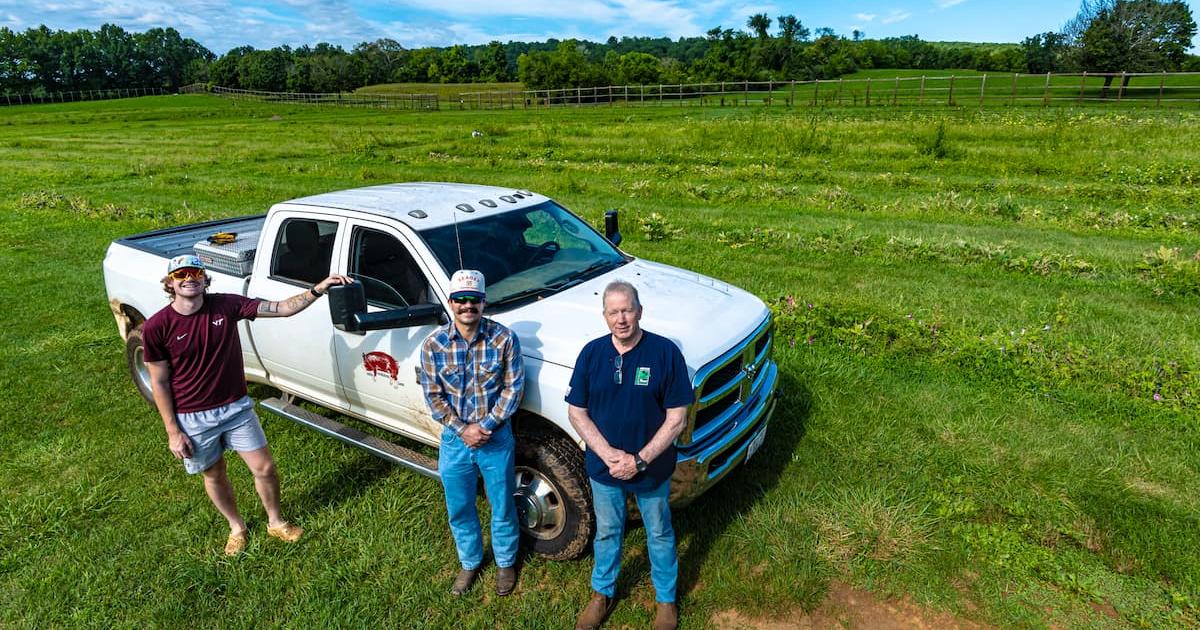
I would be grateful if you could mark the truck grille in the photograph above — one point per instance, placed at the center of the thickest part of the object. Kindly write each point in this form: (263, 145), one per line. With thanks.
(725, 385)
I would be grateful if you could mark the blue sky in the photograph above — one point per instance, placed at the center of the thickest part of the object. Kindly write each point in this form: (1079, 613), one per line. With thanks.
(223, 24)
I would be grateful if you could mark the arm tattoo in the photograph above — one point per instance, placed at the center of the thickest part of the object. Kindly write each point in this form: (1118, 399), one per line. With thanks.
(297, 303)
(268, 308)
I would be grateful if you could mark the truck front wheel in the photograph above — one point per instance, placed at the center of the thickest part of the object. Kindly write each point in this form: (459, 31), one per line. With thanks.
(137, 364)
(554, 498)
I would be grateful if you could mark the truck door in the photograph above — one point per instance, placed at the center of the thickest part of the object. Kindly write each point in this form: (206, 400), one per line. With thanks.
(378, 369)
(297, 351)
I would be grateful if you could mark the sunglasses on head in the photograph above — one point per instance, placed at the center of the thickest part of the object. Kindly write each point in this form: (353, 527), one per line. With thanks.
(187, 273)
(465, 299)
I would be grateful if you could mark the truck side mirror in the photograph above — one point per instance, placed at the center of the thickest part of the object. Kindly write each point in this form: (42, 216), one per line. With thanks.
(348, 310)
(346, 301)
(612, 231)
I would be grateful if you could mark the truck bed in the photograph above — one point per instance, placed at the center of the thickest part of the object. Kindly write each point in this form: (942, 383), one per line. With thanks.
(171, 242)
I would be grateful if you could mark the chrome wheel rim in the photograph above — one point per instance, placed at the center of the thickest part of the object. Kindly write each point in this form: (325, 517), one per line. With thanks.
(540, 507)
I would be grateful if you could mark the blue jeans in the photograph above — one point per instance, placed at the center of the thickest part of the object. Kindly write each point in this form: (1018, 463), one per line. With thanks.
(460, 467)
(610, 530)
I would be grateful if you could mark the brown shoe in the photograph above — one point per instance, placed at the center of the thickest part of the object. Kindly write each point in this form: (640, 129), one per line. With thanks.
(236, 543)
(464, 581)
(286, 532)
(595, 612)
(667, 617)
(506, 580)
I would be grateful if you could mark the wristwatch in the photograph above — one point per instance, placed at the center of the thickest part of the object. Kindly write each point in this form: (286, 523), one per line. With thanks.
(639, 462)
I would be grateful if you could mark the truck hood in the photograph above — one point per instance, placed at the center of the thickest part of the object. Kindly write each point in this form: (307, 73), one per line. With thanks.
(702, 315)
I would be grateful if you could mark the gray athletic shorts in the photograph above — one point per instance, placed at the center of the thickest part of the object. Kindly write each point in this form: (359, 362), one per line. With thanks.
(234, 426)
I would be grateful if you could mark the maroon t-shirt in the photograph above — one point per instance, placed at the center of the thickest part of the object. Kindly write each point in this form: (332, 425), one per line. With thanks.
(202, 349)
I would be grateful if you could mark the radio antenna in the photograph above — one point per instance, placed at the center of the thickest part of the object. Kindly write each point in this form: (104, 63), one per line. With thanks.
(457, 240)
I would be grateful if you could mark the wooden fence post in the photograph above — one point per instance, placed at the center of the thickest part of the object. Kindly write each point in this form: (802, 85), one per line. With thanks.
(895, 91)
(950, 94)
(838, 98)
(921, 100)
(982, 85)
(867, 100)
(1082, 83)
(1012, 97)
(1162, 78)
(816, 91)
(1046, 91)
(1121, 88)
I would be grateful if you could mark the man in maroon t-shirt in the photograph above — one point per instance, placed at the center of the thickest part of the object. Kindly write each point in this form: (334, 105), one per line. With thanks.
(195, 360)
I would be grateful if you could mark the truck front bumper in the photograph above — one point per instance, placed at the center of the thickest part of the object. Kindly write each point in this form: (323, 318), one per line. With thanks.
(701, 465)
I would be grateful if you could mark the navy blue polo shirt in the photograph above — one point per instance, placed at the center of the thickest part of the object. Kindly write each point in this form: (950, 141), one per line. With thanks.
(654, 378)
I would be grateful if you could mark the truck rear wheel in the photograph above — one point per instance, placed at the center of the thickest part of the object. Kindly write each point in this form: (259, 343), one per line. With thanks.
(136, 361)
(554, 498)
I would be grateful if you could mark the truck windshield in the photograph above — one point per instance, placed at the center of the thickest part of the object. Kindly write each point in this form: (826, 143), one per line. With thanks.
(525, 253)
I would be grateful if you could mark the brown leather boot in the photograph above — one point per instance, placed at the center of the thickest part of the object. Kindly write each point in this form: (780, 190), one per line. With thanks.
(506, 580)
(667, 617)
(464, 581)
(595, 612)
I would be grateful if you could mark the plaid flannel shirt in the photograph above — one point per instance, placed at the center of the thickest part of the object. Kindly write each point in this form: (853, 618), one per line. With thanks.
(480, 381)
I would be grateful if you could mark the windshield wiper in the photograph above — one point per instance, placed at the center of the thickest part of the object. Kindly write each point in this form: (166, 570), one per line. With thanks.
(568, 281)
(520, 295)
(577, 277)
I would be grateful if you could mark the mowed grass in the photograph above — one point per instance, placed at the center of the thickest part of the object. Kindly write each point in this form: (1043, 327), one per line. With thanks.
(987, 326)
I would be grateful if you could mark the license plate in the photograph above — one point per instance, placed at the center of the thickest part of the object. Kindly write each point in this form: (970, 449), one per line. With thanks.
(756, 442)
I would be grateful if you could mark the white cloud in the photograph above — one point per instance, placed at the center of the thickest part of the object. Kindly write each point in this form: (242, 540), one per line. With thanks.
(865, 17)
(896, 15)
(946, 4)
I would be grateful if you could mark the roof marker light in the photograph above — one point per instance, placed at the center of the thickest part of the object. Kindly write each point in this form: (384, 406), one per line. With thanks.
(487, 202)
(507, 198)
(465, 207)
(417, 214)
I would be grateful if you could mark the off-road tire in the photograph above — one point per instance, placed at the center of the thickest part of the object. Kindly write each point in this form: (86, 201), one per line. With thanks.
(559, 462)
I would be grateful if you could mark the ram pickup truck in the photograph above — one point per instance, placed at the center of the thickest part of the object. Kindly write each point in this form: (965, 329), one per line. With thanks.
(358, 359)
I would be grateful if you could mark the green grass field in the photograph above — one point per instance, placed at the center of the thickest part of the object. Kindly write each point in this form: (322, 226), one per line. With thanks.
(987, 328)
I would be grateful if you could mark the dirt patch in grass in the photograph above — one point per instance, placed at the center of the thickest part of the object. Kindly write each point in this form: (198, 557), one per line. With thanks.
(851, 608)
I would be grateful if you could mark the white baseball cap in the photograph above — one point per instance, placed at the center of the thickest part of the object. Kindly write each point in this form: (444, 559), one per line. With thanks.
(467, 283)
(186, 261)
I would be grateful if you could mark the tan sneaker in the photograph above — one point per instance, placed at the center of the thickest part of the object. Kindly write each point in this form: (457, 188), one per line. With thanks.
(286, 532)
(236, 543)
(667, 617)
(595, 612)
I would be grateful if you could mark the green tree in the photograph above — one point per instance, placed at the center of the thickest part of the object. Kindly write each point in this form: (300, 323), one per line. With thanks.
(1131, 36)
(1045, 52)
(638, 68)
(493, 63)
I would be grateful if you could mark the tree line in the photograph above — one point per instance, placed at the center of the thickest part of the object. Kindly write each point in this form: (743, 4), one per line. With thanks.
(1105, 36)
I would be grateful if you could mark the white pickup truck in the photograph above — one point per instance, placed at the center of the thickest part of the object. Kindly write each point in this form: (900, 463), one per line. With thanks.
(545, 269)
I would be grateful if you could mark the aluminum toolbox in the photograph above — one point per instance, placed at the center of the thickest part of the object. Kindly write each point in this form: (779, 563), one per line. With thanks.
(236, 258)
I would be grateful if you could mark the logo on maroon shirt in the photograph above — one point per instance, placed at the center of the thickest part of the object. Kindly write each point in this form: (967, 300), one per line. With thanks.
(218, 321)
(377, 363)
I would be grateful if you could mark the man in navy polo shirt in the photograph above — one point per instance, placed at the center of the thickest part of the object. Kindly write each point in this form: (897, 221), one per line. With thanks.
(628, 400)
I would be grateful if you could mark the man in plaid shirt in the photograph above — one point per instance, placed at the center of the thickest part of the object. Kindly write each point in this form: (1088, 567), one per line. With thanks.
(473, 378)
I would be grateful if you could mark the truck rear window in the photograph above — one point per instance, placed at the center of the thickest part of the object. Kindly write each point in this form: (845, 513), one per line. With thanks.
(303, 250)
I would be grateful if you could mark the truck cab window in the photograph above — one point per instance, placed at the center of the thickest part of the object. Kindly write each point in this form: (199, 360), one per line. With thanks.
(303, 250)
(389, 275)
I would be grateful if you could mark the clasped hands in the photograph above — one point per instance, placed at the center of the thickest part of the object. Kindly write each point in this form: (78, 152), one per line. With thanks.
(621, 465)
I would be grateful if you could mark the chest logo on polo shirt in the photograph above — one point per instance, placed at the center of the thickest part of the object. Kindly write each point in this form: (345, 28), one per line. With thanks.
(218, 321)
(642, 377)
